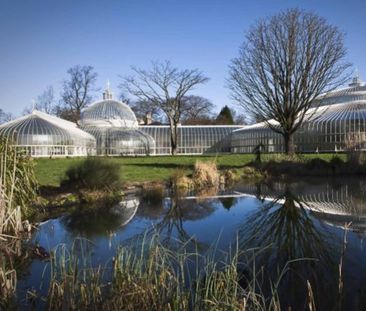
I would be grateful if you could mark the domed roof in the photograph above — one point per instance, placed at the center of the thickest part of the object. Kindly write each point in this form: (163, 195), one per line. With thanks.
(121, 140)
(356, 91)
(39, 128)
(348, 103)
(108, 112)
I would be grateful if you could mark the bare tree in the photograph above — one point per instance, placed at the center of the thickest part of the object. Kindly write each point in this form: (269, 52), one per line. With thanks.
(196, 109)
(77, 91)
(165, 87)
(285, 63)
(45, 102)
(5, 116)
(142, 108)
(124, 98)
(239, 118)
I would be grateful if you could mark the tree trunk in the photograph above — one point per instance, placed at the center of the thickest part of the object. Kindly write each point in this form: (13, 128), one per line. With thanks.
(289, 143)
(174, 137)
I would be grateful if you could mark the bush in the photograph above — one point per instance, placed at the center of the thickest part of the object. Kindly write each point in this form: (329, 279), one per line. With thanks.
(180, 180)
(94, 174)
(206, 174)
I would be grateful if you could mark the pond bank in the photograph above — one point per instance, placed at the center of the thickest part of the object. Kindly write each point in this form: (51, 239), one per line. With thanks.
(250, 217)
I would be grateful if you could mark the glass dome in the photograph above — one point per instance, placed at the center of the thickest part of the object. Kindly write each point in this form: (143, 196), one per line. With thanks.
(122, 141)
(39, 134)
(108, 112)
(337, 123)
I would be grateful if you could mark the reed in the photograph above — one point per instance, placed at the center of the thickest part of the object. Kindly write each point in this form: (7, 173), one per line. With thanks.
(17, 188)
(148, 275)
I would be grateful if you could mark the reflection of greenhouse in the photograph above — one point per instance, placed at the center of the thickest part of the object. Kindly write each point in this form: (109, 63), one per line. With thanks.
(335, 205)
(40, 134)
(338, 122)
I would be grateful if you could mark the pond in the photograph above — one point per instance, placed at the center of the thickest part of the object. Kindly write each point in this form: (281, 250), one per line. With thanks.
(293, 233)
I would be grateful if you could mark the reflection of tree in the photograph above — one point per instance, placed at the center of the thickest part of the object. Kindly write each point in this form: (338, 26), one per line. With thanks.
(178, 212)
(283, 231)
(174, 212)
(228, 202)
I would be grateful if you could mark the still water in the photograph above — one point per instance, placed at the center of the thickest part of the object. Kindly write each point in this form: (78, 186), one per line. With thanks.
(294, 233)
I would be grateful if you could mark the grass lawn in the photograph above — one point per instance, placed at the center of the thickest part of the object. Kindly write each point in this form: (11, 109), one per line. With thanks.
(155, 168)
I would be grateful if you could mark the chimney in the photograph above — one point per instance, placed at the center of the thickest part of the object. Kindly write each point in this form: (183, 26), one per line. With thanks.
(148, 118)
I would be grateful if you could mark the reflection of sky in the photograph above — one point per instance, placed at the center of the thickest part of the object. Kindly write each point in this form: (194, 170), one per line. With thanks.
(221, 224)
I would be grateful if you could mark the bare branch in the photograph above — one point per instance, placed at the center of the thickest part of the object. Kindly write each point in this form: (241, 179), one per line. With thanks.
(285, 63)
(164, 87)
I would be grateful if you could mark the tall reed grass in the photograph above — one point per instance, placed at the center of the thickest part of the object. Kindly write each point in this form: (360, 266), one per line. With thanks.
(148, 275)
(18, 187)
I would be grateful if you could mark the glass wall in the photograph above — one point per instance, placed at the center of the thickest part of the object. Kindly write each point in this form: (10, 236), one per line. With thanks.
(119, 141)
(329, 128)
(41, 135)
(192, 139)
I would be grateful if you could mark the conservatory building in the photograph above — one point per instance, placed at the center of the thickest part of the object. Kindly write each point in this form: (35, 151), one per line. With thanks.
(117, 132)
(336, 122)
(109, 127)
(115, 128)
(41, 135)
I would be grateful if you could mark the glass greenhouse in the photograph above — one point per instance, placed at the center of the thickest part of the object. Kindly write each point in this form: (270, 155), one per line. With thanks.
(336, 123)
(195, 139)
(115, 127)
(42, 135)
(121, 141)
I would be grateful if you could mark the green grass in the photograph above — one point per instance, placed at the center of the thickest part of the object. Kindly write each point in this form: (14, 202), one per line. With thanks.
(50, 172)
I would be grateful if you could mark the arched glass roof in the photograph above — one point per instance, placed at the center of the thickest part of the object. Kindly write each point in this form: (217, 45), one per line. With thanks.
(109, 112)
(121, 141)
(337, 121)
(40, 129)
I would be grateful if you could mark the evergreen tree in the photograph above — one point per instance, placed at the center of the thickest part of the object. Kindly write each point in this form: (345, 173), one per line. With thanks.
(225, 116)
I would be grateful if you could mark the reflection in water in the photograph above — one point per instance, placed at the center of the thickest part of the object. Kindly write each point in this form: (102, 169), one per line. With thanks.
(337, 202)
(283, 231)
(94, 222)
(172, 215)
(291, 225)
(284, 221)
(228, 202)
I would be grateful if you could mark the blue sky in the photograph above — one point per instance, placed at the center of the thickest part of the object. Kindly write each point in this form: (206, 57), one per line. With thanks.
(40, 40)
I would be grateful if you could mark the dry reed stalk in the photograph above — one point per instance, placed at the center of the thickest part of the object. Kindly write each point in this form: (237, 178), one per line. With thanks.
(341, 260)
(206, 175)
(311, 301)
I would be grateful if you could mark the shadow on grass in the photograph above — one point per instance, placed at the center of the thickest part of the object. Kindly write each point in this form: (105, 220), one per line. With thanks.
(176, 166)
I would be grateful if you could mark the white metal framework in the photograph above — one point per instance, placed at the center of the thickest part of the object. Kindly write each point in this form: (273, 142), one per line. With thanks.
(192, 139)
(110, 127)
(121, 141)
(41, 135)
(115, 127)
(337, 122)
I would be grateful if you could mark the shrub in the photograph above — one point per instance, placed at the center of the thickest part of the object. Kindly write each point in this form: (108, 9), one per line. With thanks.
(94, 174)
(180, 180)
(206, 174)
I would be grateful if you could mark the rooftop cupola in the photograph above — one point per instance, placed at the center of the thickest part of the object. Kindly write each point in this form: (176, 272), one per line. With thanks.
(107, 94)
(356, 80)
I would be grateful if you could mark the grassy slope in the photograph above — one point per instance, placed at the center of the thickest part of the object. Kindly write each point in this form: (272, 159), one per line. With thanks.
(159, 168)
